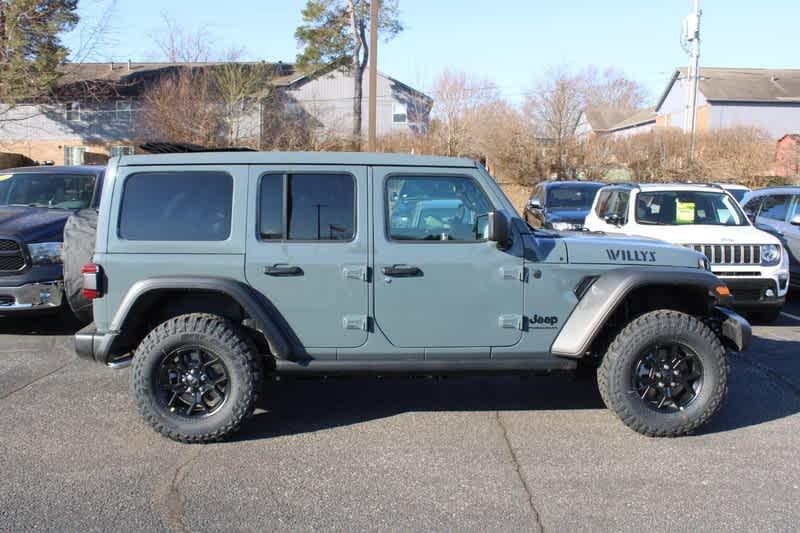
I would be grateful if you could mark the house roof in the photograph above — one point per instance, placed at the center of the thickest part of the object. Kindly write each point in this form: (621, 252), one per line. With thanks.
(133, 75)
(604, 120)
(743, 85)
(285, 73)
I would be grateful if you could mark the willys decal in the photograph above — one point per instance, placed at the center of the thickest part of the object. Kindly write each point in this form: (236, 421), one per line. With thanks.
(632, 256)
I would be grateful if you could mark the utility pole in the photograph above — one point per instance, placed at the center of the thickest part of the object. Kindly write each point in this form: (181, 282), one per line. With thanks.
(373, 76)
(692, 34)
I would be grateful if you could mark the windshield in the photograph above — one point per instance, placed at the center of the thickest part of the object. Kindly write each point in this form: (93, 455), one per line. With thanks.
(39, 189)
(579, 197)
(672, 208)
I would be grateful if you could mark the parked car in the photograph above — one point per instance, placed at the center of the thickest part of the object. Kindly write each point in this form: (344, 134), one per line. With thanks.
(35, 203)
(778, 209)
(212, 269)
(560, 205)
(736, 190)
(705, 218)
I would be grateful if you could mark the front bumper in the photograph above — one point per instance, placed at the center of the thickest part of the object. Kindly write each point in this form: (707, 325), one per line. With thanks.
(755, 293)
(734, 329)
(31, 297)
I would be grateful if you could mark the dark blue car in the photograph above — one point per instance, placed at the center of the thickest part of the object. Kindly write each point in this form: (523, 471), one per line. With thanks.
(35, 203)
(560, 205)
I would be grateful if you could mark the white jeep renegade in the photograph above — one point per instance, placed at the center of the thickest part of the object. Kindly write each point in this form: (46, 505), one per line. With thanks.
(706, 218)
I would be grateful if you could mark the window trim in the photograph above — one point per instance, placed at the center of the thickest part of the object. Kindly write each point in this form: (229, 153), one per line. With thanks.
(118, 111)
(123, 192)
(404, 113)
(285, 204)
(387, 220)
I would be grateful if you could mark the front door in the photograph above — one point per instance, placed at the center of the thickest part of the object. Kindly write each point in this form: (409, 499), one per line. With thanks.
(438, 282)
(307, 251)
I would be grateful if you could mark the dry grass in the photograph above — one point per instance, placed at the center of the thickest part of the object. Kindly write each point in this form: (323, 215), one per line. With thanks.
(518, 194)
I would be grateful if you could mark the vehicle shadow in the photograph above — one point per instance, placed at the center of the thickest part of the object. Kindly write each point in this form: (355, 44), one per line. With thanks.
(764, 386)
(54, 323)
(303, 405)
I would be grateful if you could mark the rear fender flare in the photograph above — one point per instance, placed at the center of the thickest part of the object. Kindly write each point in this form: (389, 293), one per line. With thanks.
(254, 304)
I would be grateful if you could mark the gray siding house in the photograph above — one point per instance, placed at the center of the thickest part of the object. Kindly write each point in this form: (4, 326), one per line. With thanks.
(730, 97)
(95, 112)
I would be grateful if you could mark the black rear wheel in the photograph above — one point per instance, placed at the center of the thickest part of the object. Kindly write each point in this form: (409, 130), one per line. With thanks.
(196, 378)
(665, 374)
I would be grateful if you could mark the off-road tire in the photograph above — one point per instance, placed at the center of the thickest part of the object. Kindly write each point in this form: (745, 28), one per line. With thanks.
(614, 375)
(236, 350)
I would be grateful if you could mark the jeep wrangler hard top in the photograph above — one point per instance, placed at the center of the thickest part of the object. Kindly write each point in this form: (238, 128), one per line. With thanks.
(213, 269)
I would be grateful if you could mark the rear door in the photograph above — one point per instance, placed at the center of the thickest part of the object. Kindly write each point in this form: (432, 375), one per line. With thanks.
(306, 251)
(438, 282)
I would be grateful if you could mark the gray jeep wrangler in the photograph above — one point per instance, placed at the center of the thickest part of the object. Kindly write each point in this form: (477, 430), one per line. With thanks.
(211, 270)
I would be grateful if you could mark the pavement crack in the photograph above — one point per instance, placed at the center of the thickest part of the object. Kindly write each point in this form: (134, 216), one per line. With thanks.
(171, 500)
(35, 380)
(518, 469)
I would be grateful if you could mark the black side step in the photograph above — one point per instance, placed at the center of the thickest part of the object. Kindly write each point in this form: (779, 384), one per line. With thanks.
(419, 366)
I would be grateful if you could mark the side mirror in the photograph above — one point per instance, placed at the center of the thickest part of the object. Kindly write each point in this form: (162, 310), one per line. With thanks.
(535, 203)
(499, 229)
(795, 220)
(613, 218)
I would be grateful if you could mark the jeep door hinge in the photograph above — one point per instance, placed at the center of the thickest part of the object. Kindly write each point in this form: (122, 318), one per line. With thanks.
(356, 272)
(511, 322)
(514, 273)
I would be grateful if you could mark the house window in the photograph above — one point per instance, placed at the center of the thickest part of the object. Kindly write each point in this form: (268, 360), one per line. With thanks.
(123, 111)
(74, 155)
(73, 111)
(399, 115)
(118, 150)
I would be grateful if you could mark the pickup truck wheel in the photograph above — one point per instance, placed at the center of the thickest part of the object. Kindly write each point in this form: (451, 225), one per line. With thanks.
(664, 375)
(196, 378)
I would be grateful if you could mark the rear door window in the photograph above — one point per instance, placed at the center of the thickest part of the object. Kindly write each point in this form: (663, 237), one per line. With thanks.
(775, 207)
(176, 206)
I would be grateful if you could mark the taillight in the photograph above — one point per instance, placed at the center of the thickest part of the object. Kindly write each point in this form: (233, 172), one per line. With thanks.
(91, 281)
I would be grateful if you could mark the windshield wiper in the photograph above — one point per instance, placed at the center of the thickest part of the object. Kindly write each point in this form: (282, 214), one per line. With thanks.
(25, 205)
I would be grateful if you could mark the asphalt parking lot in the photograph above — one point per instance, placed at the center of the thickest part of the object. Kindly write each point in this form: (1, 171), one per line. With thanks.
(473, 453)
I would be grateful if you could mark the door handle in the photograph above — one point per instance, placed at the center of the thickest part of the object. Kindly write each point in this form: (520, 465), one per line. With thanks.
(402, 271)
(283, 270)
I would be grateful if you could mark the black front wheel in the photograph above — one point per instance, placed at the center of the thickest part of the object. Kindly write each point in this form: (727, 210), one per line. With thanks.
(196, 378)
(665, 374)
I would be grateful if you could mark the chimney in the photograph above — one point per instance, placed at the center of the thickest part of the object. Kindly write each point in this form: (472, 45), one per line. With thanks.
(129, 65)
(112, 65)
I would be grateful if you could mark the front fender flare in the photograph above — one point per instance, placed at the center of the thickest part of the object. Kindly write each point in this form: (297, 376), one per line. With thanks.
(609, 290)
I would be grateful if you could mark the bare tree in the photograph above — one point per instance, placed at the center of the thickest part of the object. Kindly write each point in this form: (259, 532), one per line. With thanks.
(610, 88)
(240, 89)
(457, 101)
(176, 44)
(182, 107)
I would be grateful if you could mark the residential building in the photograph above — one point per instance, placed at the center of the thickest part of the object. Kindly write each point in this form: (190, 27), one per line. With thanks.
(97, 105)
(767, 99)
(602, 121)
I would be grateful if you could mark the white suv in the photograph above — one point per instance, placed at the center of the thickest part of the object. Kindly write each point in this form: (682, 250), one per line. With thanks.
(706, 218)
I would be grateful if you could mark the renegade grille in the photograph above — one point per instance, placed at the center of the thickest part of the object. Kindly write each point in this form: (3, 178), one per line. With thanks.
(729, 254)
(11, 258)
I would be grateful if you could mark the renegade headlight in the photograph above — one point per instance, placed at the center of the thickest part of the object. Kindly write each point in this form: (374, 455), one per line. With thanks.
(45, 253)
(565, 226)
(770, 254)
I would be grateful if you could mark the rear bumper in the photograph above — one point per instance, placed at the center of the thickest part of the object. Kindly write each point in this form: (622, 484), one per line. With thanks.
(31, 297)
(735, 329)
(93, 345)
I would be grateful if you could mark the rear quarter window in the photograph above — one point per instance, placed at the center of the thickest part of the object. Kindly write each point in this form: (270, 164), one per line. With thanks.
(176, 206)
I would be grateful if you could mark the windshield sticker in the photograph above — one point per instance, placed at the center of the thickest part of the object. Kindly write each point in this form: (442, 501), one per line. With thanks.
(632, 256)
(684, 213)
(4, 177)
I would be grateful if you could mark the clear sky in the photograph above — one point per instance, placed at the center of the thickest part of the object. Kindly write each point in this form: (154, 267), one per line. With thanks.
(512, 42)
